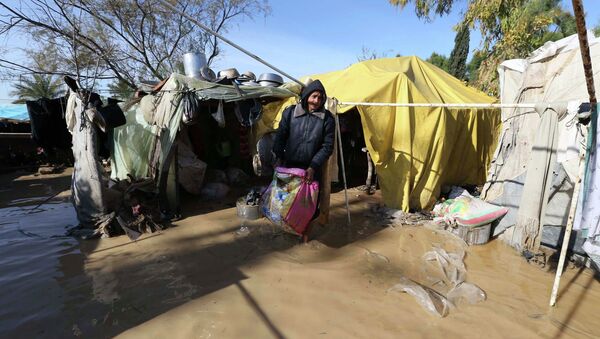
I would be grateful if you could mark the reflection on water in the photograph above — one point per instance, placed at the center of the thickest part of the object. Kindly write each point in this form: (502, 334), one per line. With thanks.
(33, 251)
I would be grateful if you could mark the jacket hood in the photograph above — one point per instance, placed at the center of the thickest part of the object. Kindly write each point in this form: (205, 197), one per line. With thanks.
(313, 86)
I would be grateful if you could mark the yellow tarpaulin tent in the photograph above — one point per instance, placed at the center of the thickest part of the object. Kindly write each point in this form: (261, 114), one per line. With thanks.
(416, 150)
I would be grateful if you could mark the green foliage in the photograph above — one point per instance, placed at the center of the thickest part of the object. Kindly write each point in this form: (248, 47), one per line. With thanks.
(36, 87)
(509, 29)
(457, 64)
(427, 9)
(596, 30)
(473, 66)
(439, 60)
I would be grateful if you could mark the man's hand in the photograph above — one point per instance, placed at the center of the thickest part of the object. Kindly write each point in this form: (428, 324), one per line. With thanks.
(309, 174)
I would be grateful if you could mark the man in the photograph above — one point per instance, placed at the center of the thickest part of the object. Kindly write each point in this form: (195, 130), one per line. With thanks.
(306, 135)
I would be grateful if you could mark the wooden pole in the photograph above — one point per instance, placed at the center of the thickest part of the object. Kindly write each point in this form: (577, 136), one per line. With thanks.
(584, 48)
(570, 221)
(341, 149)
(325, 190)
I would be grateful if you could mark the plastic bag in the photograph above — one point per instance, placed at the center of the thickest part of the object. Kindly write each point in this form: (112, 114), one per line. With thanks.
(289, 201)
(280, 194)
(304, 206)
(219, 115)
(466, 291)
(451, 264)
(432, 301)
(190, 106)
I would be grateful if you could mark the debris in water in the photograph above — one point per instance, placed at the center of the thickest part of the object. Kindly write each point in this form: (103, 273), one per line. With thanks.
(431, 300)
(242, 231)
(376, 255)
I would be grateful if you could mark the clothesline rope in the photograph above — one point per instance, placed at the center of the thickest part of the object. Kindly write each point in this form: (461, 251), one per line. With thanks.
(445, 105)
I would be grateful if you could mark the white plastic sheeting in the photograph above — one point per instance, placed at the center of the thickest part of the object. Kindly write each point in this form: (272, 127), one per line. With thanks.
(588, 209)
(553, 75)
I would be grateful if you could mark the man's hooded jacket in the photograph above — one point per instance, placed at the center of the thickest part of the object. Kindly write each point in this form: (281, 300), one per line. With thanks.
(305, 139)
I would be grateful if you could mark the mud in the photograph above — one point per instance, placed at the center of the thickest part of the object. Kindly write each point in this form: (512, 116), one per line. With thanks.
(204, 278)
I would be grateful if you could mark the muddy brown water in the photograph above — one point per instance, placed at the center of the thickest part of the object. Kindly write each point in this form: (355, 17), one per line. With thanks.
(205, 279)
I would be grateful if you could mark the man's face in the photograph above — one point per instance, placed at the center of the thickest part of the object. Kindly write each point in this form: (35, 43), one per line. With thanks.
(315, 99)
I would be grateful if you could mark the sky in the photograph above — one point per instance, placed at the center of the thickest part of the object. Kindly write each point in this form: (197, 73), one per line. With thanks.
(315, 36)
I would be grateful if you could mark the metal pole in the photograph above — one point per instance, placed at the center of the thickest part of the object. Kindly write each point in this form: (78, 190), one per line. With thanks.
(253, 56)
(15, 135)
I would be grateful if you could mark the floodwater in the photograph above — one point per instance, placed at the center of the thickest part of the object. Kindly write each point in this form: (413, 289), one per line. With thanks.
(205, 279)
(35, 258)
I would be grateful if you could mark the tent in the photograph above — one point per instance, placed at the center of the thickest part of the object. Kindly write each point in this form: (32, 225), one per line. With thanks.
(416, 150)
(553, 74)
(144, 146)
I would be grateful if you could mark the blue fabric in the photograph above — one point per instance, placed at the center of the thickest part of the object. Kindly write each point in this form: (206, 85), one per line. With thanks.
(10, 111)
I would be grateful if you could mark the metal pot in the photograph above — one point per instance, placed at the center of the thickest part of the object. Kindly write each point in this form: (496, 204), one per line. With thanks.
(248, 76)
(230, 73)
(267, 83)
(271, 77)
(208, 74)
(193, 63)
(249, 83)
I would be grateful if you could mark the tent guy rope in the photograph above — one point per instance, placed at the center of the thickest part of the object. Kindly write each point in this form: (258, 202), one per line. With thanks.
(441, 104)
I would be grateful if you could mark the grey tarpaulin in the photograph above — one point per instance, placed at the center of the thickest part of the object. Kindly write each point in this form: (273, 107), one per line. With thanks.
(536, 192)
(89, 186)
(143, 143)
(551, 74)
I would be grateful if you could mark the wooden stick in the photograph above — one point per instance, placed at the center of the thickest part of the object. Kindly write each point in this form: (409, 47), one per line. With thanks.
(570, 221)
(325, 193)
